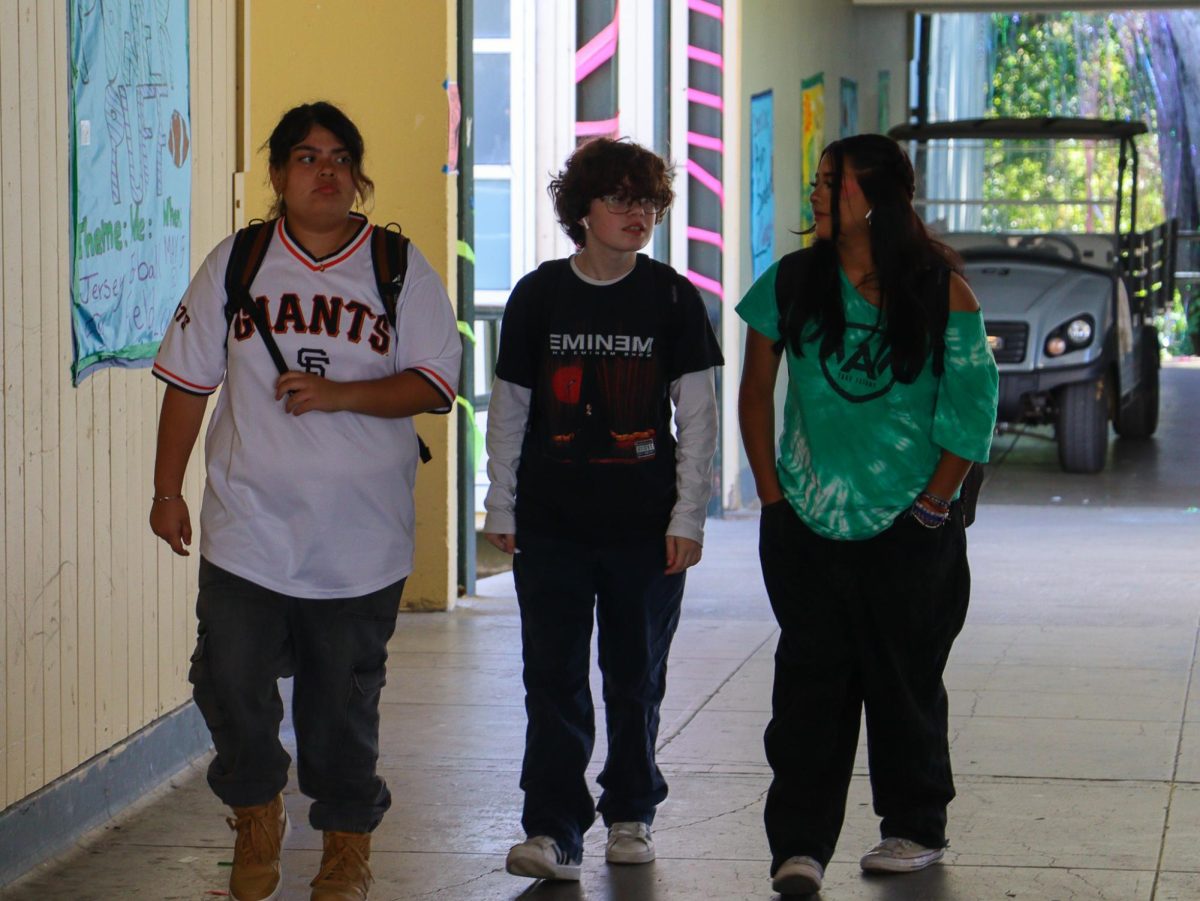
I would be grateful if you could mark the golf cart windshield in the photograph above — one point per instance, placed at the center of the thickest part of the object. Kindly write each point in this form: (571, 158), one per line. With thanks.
(1023, 176)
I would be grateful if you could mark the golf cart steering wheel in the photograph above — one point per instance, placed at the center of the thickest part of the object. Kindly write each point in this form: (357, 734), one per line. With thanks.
(1036, 242)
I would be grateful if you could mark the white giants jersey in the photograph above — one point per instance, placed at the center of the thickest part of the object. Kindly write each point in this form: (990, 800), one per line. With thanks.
(318, 505)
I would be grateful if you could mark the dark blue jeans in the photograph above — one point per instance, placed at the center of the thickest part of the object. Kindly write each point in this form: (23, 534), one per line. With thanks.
(561, 586)
(864, 625)
(248, 638)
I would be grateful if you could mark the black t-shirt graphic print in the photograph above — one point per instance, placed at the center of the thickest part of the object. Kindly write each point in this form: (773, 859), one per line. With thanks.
(598, 459)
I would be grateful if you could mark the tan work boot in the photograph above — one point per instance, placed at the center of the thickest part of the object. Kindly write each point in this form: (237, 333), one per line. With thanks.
(345, 874)
(261, 830)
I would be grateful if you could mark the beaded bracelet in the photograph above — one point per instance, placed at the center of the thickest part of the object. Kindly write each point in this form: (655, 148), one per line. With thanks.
(928, 518)
(165, 497)
(937, 501)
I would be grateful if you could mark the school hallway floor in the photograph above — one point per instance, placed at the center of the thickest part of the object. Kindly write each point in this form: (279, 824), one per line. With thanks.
(1075, 728)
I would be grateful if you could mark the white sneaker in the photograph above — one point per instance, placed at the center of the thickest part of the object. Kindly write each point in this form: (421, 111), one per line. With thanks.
(629, 843)
(798, 876)
(899, 855)
(539, 857)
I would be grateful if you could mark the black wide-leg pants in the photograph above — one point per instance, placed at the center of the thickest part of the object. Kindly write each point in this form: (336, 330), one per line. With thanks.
(864, 624)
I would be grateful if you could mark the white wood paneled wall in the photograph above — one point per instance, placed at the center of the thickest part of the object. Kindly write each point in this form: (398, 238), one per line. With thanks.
(97, 622)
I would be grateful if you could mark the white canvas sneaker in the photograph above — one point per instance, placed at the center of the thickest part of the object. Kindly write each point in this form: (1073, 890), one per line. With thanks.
(798, 876)
(629, 843)
(539, 857)
(899, 855)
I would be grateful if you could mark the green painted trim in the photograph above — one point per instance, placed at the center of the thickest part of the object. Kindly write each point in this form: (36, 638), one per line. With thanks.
(476, 434)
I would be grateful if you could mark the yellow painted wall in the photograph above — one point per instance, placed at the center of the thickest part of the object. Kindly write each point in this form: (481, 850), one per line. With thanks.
(96, 622)
(384, 63)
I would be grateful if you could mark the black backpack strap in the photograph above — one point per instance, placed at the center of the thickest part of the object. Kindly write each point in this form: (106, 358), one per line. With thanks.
(249, 248)
(389, 255)
(259, 318)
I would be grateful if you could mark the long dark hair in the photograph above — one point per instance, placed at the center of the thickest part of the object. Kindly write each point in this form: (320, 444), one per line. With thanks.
(907, 260)
(294, 126)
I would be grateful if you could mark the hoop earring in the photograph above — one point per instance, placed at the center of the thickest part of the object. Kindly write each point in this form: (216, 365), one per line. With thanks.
(587, 225)
(868, 215)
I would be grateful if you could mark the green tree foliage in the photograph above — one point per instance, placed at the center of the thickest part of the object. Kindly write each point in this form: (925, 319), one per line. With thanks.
(1034, 68)
(1071, 65)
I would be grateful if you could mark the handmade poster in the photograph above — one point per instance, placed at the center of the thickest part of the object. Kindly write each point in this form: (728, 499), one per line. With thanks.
(130, 161)
(762, 184)
(849, 98)
(812, 138)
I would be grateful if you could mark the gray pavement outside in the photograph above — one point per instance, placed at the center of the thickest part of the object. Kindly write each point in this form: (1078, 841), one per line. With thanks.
(1075, 728)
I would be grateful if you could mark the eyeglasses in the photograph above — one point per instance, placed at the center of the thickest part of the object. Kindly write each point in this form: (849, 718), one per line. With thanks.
(618, 205)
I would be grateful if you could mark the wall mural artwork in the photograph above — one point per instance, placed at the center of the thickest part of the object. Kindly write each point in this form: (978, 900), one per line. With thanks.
(131, 182)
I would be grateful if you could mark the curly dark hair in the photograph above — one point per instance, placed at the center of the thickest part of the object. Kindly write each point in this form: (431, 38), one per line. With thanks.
(601, 167)
(904, 255)
(294, 126)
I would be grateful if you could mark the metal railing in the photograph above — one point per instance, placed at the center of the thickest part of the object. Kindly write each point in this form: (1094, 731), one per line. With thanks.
(1149, 260)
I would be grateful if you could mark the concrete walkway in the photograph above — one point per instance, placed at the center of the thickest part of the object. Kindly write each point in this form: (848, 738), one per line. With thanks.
(1075, 729)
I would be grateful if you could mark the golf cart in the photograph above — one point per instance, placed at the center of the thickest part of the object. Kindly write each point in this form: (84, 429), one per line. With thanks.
(1044, 214)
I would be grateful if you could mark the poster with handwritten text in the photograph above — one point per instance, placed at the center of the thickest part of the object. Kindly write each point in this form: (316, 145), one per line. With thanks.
(762, 184)
(130, 132)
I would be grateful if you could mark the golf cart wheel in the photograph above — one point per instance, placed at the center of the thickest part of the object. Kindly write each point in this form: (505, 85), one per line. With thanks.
(1138, 419)
(1082, 427)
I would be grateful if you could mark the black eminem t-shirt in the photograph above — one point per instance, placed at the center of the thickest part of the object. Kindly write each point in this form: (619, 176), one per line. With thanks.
(598, 459)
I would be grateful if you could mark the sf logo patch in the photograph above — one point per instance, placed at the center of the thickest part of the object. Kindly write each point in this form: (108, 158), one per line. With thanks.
(861, 369)
(312, 360)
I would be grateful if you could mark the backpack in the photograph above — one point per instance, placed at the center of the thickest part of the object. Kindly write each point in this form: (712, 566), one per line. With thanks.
(389, 256)
(793, 273)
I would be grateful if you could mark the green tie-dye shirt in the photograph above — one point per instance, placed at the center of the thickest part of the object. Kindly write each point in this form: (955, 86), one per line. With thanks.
(857, 445)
